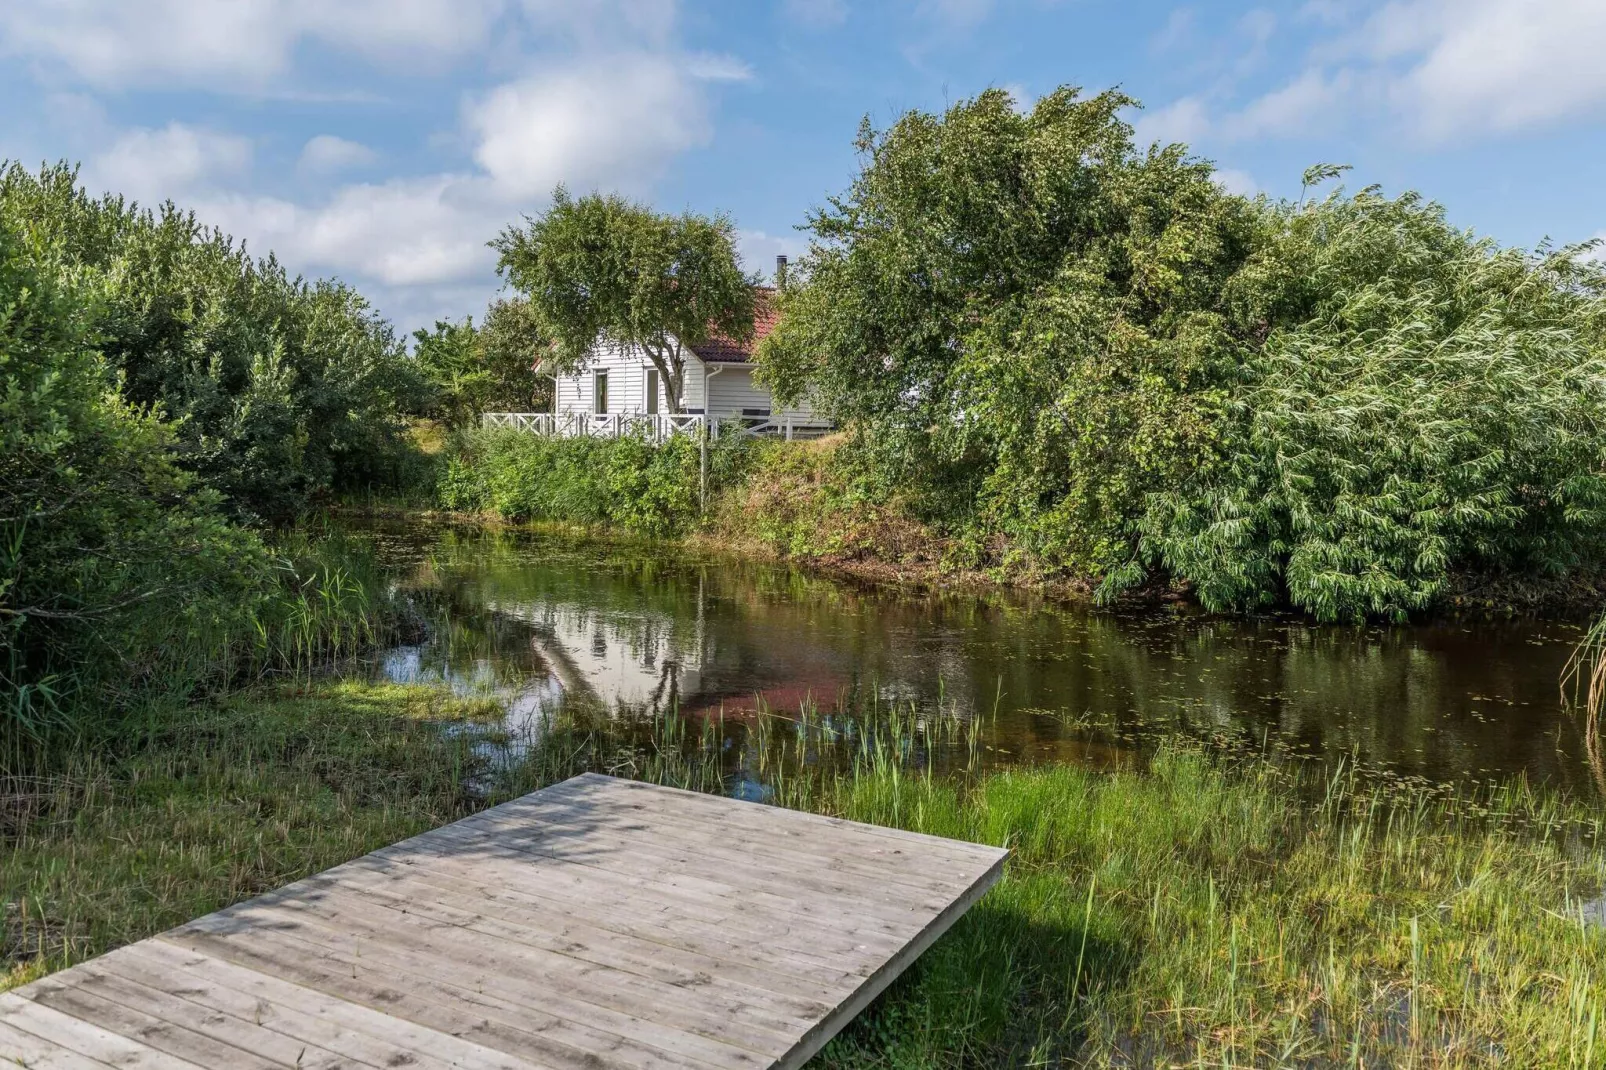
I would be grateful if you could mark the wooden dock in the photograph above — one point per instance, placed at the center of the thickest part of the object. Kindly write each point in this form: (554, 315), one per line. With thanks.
(596, 924)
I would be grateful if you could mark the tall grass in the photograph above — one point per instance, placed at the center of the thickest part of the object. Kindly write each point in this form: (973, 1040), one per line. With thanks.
(1583, 685)
(203, 805)
(1207, 906)
(1210, 908)
(315, 598)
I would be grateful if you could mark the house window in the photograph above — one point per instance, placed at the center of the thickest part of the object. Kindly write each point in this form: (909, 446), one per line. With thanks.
(652, 391)
(600, 393)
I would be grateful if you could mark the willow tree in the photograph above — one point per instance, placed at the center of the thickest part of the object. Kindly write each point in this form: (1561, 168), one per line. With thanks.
(601, 270)
(1086, 358)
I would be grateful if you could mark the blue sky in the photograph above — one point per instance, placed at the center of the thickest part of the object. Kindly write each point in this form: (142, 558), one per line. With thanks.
(385, 141)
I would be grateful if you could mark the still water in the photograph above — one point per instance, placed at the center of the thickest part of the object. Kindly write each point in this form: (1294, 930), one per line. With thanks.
(547, 620)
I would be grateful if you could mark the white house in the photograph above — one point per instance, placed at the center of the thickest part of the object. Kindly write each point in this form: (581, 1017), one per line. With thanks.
(619, 391)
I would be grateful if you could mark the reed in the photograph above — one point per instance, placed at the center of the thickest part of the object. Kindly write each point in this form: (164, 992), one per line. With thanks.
(1209, 906)
(1212, 907)
(315, 600)
(237, 796)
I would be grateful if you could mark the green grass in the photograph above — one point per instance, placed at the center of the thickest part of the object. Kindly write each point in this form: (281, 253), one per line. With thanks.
(203, 806)
(1210, 908)
(1220, 912)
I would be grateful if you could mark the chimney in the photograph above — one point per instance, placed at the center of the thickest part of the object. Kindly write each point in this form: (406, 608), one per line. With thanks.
(780, 270)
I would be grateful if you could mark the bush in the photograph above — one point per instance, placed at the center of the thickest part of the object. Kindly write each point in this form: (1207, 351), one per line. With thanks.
(1095, 358)
(109, 555)
(646, 488)
(278, 389)
(1427, 404)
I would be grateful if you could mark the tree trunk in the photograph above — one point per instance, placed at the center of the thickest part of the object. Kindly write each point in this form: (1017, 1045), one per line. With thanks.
(671, 372)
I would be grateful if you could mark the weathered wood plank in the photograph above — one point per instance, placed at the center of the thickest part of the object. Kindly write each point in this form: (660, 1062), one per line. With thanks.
(82, 1037)
(18, 1048)
(341, 1021)
(512, 1016)
(595, 925)
(774, 835)
(472, 957)
(754, 867)
(904, 851)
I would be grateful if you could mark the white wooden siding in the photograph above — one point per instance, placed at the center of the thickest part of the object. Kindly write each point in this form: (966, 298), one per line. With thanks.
(733, 389)
(627, 384)
(730, 387)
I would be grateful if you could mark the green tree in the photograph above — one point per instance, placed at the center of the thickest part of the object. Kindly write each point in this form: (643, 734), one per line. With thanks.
(278, 388)
(1088, 359)
(109, 553)
(1425, 404)
(603, 271)
(486, 369)
(1019, 312)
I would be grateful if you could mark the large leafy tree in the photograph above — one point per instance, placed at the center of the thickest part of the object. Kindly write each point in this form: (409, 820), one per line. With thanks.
(278, 388)
(1018, 310)
(1091, 360)
(601, 270)
(489, 368)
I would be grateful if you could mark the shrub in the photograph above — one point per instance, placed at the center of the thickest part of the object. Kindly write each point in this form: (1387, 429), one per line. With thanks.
(278, 389)
(646, 488)
(109, 555)
(1095, 356)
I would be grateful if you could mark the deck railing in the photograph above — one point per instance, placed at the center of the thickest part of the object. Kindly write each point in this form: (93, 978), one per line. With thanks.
(657, 427)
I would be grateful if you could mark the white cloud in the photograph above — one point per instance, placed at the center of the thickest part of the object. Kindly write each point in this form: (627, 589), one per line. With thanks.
(1235, 181)
(712, 67)
(1294, 108)
(960, 14)
(609, 104)
(405, 232)
(758, 249)
(1181, 26)
(1500, 65)
(1186, 120)
(1434, 69)
(230, 43)
(615, 120)
(612, 122)
(327, 154)
(816, 14)
(152, 166)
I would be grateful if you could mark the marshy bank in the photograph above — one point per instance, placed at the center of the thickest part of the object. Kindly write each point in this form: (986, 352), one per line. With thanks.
(1203, 870)
(1207, 905)
(824, 505)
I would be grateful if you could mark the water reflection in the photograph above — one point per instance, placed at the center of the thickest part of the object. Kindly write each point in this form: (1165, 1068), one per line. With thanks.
(546, 619)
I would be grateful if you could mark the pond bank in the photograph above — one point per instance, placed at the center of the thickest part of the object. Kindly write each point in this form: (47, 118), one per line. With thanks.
(215, 801)
(799, 503)
(1212, 907)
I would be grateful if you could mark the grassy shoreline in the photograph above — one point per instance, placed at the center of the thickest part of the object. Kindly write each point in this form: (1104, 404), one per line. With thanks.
(1209, 909)
(201, 806)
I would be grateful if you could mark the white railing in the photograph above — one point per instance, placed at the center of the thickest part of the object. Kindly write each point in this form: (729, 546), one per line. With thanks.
(657, 427)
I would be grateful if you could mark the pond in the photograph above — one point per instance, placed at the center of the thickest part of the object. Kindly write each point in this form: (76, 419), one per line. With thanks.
(548, 620)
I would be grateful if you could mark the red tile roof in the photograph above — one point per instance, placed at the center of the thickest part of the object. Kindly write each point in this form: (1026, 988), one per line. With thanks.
(722, 350)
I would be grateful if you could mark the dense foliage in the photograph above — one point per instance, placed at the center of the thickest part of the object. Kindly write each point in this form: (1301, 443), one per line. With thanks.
(1096, 358)
(603, 271)
(628, 483)
(490, 368)
(122, 572)
(276, 389)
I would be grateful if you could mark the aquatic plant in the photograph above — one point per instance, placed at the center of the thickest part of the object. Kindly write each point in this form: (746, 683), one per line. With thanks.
(1207, 908)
